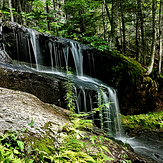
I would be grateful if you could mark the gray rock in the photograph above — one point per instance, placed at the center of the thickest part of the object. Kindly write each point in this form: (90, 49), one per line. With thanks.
(4, 57)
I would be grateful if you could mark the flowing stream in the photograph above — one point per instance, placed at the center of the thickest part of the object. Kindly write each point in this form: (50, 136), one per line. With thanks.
(89, 92)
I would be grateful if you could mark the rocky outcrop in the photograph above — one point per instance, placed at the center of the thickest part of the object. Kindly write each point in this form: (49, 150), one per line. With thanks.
(136, 93)
(46, 89)
(35, 120)
(4, 57)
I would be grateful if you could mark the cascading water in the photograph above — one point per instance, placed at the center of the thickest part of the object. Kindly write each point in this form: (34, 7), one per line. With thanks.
(62, 57)
(58, 58)
(35, 47)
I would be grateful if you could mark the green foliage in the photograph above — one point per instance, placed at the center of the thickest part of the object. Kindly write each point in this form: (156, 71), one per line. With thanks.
(70, 95)
(79, 146)
(151, 121)
(95, 42)
(11, 148)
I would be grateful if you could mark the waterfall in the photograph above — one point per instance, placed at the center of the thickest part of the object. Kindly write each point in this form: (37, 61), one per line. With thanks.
(90, 93)
(35, 46)
(78, 58)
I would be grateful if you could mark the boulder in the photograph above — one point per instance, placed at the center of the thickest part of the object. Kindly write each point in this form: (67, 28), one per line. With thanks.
(48, 90)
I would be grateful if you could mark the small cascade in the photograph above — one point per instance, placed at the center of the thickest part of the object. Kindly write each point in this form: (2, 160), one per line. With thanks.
(78, 58)
(91, 93)
(51, 55)
(35, 46)
(55, 57)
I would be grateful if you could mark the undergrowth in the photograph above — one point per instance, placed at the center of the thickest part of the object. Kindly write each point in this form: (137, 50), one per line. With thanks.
(78, 143)
(152, 121)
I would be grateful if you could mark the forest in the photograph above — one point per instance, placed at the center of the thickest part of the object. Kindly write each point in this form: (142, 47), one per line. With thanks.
(131, 27)
(131, 32)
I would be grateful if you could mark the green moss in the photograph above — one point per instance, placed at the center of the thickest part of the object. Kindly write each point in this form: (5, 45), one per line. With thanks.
(122, 64)
(151, 121)
(43, 143)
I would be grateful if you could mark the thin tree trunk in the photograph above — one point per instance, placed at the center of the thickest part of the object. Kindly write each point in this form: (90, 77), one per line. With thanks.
(160, 37)
(137, 40)
(141, 19)
(114, 23)
(20, 9)
(123, 29)
(107, 11)
(3, 6)
(82, 22)
(11, 13)
(150, 67)
(121, 37)
(47, 11)
(103, 20)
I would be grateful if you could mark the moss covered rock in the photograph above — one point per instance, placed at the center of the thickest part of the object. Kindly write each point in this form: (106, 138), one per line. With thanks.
(136, 93)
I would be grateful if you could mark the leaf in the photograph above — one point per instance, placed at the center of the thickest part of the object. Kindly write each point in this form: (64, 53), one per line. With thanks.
(86, 157)
(16, 151)
(20, 144)
(30, 161)
(106, 158)
(16, 161)
(106, 149)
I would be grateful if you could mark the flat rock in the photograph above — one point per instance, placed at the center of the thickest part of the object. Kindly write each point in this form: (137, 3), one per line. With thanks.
(20, 110)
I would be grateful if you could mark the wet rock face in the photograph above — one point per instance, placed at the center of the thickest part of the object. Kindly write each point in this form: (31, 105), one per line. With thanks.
(4, 57)
(135, 95)
(47, 90)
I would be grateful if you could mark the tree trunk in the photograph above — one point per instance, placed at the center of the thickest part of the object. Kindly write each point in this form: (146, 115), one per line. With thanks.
(114, 23)
(150, 67)
(137, 40)
(82, 22)
(3, 6)
(107, 11)
(103, 20)
(141, 19)
(123, 28)
(11, 13)
(160, 37)
(47, 11)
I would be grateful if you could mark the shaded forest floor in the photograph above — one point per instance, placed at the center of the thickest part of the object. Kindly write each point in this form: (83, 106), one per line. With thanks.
(159, 102)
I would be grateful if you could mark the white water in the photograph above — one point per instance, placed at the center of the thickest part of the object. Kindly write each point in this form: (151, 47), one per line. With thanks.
(83, 92)
(85, 85)
(35, 46)
(150, 149)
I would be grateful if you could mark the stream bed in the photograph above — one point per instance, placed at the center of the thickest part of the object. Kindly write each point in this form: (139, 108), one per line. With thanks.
(151, 149)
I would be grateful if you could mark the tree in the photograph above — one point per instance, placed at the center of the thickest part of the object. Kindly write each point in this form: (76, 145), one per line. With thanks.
(11, 13)
(123, 28)
(160, 37)
(150, 67)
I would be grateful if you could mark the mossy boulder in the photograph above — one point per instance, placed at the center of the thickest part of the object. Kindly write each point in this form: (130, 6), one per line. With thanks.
(136, 93)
